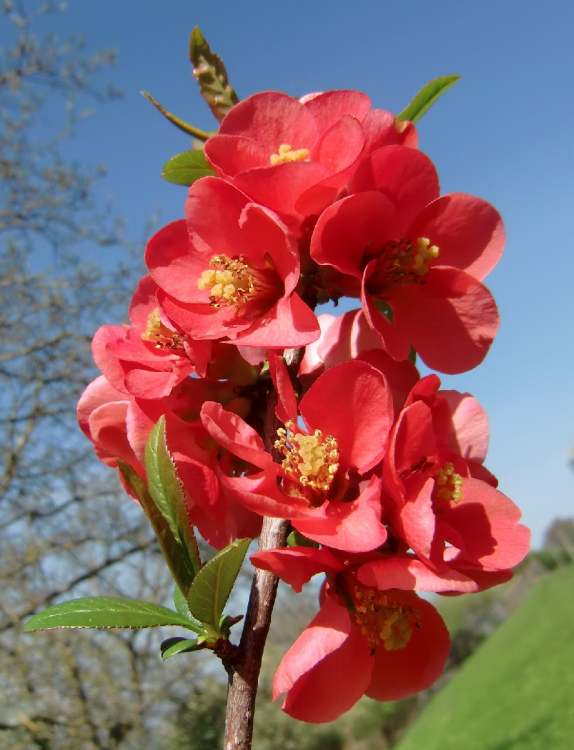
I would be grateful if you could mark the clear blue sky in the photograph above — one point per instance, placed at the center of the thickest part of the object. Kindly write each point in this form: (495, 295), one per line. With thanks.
(504, 133)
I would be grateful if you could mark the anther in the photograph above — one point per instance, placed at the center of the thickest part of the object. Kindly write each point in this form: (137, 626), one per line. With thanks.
(287, 153)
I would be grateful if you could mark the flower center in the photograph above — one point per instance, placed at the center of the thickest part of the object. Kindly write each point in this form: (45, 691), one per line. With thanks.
(448, 484)
(230, 281)
(160, 335)
(312, 460)
(287, 153)
(382, 619)
(404, 261)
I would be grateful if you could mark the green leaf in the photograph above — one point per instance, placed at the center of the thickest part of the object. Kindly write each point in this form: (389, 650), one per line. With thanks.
(213, 583)
(295, 539)
(186, 168)
(180, 603)
(172, 548)
(173, 646)
(167, 492)
(211, 75)
(426, 97)
(186, 127)
(106, 612)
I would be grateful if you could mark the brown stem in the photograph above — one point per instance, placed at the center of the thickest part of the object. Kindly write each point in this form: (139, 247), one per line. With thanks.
(244, 671)
(244, 675)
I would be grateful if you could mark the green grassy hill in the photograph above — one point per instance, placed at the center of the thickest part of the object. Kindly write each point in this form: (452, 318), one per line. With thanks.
(517, 691)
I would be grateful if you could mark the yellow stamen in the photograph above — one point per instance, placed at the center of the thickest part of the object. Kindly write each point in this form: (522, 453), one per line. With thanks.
(287, 153)
(313, 460)
(160, 335)
(448, 484)
(229, 281)
(382, 619)
(424, 254)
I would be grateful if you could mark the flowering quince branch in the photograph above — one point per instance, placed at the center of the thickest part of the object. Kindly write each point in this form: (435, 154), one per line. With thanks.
(231, 410)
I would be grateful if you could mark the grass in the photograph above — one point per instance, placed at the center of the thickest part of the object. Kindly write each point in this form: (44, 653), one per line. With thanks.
(516, 692)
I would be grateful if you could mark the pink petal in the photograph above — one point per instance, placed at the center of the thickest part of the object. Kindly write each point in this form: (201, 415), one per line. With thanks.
(408, 573)
(289, 324)
(353, 526)
(271, 118)
(462, 425)
(286, 398)
(362, 416)
(351, 227)
(327, 669)
(488, 524)
(399, 673)
(329, 107)
(405, 176)
(232, 154)
(231, 432)
(451, 320)
(468, 231)
(297, 565)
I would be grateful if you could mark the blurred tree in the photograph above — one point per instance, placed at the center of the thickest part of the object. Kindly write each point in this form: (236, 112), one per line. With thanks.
(65, 527)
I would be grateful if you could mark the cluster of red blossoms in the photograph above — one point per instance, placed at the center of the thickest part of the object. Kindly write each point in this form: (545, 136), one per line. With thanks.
(379, 471)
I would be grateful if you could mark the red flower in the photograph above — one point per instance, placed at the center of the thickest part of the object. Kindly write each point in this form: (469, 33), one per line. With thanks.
(230, 272)
(295, 155)
(444, 505)
(119, 427)
(149, 357)
(420, 258)
(102, 414)
(348, 337)
(385, 644)
(320, 476)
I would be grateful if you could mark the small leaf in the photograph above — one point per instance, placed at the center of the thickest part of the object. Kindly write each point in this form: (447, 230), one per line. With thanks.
(426, 97)
(211, 75)
(213, 583)
(186, 168)
(167, 492)
(173, 646)
(106, 612)
(172, 549)
(295, 539)
(180, 603)
(202, 135)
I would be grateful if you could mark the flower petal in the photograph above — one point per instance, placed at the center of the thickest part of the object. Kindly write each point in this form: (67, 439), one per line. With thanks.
(231, 432)
(468, 231)
(352, 526)
(363, 415)
(351, 227)
(327, 669)
(451, 320)
(297, 565)
(402, 672)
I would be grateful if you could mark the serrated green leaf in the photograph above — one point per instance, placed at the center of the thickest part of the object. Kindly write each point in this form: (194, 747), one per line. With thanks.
(172, 548)
(105, 612)
(211, 75)
(213, 583)
(167, 492)
(426, 97)
(173, 646)
(186, 168)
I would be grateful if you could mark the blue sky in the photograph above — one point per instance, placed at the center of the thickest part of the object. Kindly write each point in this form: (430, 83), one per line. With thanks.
(504, 133)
